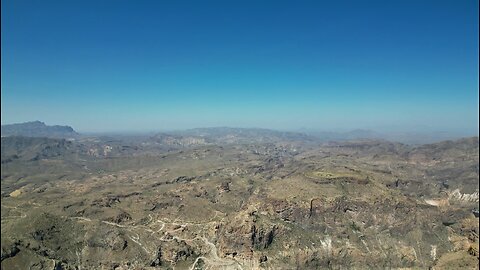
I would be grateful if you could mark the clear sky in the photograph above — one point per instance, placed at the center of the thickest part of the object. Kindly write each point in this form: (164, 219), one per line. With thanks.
(158, 65)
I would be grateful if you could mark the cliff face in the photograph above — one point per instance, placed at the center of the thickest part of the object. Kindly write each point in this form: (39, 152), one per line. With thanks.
(245, 235)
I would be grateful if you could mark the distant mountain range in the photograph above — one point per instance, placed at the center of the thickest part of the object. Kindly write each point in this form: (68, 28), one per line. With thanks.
(222, 135)
(413, 137)
(349, 135)
(38, 129)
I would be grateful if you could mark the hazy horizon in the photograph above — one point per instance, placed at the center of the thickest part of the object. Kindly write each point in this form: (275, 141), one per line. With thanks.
(116, 66)
(417, 133)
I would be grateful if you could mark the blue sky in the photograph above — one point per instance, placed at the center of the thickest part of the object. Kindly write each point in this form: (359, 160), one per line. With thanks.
(322, 65)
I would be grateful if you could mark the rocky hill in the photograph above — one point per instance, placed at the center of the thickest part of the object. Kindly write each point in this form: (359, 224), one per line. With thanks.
(31, 148)
(38, 129)
(226, 135)
(238, 199)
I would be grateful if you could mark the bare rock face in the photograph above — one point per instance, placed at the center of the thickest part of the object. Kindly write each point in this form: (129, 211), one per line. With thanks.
(120, 217)
(224, 186)
(107, 201)
(110, 240)
(245, 234)
(179, 250)
(157, 261)
(262, 237)
(9, 250)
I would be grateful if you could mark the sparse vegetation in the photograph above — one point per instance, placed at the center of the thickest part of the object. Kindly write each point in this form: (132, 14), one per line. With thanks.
(277, 204)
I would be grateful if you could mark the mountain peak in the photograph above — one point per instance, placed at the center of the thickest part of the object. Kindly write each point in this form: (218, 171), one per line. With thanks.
(38, 129)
